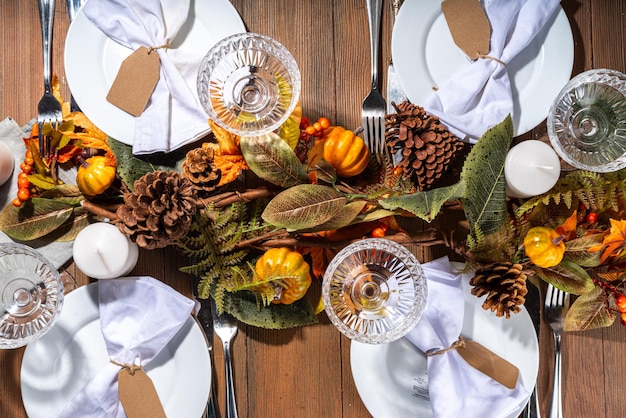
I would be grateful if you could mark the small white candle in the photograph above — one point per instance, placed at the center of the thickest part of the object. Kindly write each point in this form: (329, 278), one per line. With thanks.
(7, 163)
(531, 168)
(101, 251)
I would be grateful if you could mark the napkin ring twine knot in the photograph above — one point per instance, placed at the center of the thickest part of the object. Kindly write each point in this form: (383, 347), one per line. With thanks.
(458, 343)
(132, 368)
(489, 57)
(166, 45)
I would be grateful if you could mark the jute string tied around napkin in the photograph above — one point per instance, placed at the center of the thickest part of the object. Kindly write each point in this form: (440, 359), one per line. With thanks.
(458, 343)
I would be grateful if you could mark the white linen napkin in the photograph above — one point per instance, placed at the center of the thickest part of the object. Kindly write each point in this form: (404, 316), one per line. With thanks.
(456, 389)
(479, 96)
(138, 316)
(174, 103)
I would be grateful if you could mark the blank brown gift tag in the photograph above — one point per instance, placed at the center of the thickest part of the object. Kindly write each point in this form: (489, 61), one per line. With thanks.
(138, 395)
(135, 81)
(468, 25)
(489, 363)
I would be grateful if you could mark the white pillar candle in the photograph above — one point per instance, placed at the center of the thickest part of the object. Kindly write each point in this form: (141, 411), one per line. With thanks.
(7, 163)
(101, 251)
(531, 168)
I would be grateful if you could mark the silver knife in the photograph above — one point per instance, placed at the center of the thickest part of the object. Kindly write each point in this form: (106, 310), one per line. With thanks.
(533, 306)
(395, 94)
(205, 318)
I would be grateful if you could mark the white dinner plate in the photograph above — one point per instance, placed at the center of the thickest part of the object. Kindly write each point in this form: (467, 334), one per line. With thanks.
(392, 380)
(92, 60)
(60, 363)
(425, 56)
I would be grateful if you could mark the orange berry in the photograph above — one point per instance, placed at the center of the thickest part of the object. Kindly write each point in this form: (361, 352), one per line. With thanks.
(378, 232)
(324, 122)
(25, 167)
(23, 182)
(317, 126)
(29, 160)
(620, 300)
(622, 319)
(310, 130)
(22, 175)
(591, 217)
(23, 194)
(17, 202)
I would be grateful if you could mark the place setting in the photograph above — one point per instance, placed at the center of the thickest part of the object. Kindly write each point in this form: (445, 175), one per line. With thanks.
(185, 131)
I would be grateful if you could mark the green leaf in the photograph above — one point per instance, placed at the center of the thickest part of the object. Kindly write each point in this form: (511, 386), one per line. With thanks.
(271, 158)
(343, 218)
(304, 206)
(483, 171)
(244, 307)
(425, 205)
(35, 218)
(568, 277)
(66, 193)
(589, 311)
(130, 167)
(577, 250)
(41, 181)
(70, 229)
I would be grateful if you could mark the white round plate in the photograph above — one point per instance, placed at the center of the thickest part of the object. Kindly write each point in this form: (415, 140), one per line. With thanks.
(425, 56)
(92, 60)
(58, 365)
(392, 379)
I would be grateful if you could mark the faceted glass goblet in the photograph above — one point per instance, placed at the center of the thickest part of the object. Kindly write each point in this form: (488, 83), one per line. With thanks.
(31, 295)
(374, 291)
(587, 121)
(248, 84)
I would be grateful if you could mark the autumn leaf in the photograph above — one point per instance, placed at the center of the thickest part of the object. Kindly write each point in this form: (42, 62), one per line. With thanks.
(614, 242)
(568, 229)
(320, 257)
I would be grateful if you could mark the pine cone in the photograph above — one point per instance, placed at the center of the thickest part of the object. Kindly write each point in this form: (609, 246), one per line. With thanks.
(199, 169)
(505, 286)
(427, 147)
(159, 211)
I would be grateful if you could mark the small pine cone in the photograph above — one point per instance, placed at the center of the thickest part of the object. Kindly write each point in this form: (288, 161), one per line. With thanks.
(159, 211)
(505, 286)
(199, 169)
(427, 147)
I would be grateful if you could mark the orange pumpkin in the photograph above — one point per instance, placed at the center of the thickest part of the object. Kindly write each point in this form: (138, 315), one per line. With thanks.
(289, 266)
(544, 246)
(345, 151)
(95, 175)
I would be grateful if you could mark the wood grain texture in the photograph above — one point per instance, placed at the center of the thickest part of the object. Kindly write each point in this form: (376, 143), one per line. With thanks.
(306, 372)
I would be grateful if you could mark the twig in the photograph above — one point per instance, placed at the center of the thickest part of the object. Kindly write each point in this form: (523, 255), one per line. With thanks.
(228, 198)
(98, 210)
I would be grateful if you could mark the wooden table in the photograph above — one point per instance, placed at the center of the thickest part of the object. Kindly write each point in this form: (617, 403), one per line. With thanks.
(305, 372)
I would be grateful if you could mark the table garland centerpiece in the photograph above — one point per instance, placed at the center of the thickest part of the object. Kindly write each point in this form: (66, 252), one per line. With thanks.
(259, 218)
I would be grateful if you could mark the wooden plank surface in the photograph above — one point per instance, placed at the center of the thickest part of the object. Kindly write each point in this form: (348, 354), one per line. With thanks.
(306, 372)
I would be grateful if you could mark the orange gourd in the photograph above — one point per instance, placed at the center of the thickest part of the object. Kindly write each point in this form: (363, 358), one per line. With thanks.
(544, 246)
(289, 266)
(345, 151)
(95, 175)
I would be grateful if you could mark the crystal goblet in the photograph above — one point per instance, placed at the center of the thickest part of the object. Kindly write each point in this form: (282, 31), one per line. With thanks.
(31, 295)
(248, 84)
(587, 121)
(374, 291)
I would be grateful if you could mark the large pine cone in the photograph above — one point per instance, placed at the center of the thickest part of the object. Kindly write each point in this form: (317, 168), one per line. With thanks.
(427, 147)
(505, 286)
(159, 211)
(198, 168)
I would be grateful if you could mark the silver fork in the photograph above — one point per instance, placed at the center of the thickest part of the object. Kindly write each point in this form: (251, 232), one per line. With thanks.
(374, 106)
(555, 309)
(225, 326)
(205, 317)
(49, 108)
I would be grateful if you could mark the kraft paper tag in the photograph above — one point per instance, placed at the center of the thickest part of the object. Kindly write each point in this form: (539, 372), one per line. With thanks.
(489, 363)
(468, 25)
(138, 395)
(135, 81)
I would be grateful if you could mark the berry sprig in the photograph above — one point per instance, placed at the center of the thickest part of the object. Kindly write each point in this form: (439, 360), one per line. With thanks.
(23, 183)
(317, 128)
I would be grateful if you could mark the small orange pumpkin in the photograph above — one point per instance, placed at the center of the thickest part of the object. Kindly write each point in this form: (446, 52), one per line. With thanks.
(345, 151)
(95, 175)
(544, 246)
(289, 266)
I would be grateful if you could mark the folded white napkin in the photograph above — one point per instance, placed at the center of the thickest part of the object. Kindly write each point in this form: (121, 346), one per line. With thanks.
(479, 96)
(456, 389)
(174, 116)
(138, 316)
